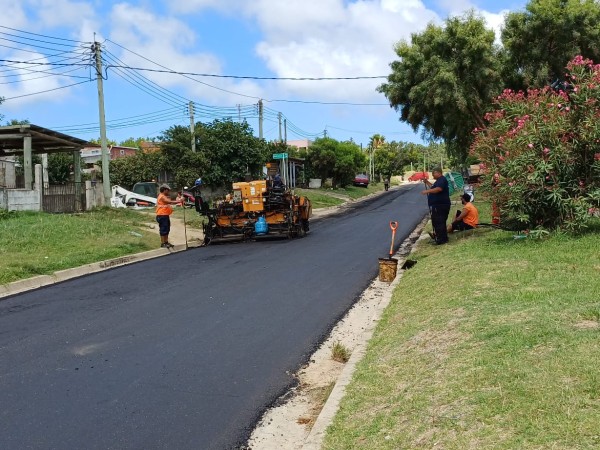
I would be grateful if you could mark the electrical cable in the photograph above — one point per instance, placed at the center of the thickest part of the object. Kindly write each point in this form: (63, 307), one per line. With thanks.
(147, 80)
(41, 35)
(47, 90)
(153, 92)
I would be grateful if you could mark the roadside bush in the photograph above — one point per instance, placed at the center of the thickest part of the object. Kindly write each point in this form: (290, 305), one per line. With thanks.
(540, 152)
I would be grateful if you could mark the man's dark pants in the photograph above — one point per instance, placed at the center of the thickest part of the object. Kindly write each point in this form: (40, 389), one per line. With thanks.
(439, 217)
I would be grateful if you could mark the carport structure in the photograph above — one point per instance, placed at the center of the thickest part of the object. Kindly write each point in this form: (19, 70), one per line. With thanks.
(28, 139)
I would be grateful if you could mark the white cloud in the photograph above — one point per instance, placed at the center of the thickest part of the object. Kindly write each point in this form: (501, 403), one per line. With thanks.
(333, 39)
(170, 42)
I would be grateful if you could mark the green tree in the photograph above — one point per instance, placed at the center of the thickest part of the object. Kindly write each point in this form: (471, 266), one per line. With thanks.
(133, 142)
(444, 80)
(109, 142)
(232, 151)
(390, 158)
(540, 41)
(127, 171)
(340, 161)
(60, 166)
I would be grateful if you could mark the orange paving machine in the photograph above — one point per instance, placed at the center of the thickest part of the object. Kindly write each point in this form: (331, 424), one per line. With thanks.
(253, 210)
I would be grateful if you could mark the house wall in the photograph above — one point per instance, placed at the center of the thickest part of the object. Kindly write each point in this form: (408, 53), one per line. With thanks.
(94, 196)
(23, 199)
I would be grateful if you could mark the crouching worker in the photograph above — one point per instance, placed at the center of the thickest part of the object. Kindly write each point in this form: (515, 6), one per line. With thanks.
(467, 219)
(163, 213)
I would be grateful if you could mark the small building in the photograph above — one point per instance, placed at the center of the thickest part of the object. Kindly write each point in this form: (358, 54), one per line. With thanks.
(300, 144)
(149, 147)
(92, 155)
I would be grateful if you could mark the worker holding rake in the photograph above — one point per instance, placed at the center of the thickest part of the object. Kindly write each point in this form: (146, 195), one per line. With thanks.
(163, 213)
(438, 198)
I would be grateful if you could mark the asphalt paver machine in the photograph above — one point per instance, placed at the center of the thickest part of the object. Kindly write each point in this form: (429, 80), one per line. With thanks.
(254, 210)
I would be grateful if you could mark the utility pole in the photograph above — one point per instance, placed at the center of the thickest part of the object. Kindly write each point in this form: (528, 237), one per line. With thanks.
(239, 113)
(192, 125)
(260, 119)
(105, 159)
(325, 133)
(279, 118)
(285, 131)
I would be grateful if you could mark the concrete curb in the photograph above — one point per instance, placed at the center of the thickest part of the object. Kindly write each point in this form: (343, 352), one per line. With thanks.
(18, 287)
(315, 438)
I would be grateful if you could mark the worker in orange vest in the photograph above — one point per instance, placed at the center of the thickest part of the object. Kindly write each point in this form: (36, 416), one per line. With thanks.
(163, 213)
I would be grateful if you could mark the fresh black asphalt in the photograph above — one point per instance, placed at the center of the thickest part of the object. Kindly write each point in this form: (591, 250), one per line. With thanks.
(184, 351)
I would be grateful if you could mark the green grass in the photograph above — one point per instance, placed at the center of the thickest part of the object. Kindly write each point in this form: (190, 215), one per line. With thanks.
(319, 198)
(489, 342)
(356, 192)
(39, 243)
(323, 198)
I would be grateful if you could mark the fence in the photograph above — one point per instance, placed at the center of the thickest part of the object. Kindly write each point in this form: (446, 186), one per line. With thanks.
(64, 198)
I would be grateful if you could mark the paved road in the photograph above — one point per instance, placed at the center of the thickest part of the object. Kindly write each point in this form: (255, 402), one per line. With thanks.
(185, 351)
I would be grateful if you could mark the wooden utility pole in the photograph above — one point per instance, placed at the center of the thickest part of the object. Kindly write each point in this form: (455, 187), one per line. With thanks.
(105, 157)
(279, 118)
(260, 119)
(192, 125)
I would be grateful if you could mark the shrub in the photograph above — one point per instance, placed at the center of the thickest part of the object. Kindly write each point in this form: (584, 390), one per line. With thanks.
(540, 152)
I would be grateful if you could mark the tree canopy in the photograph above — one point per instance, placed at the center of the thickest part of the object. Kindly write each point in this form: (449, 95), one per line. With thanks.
(341, 161)
(444, 80)
(447, 76)
(540, 41)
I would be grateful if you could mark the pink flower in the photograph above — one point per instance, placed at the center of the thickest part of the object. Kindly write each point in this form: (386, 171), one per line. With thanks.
(546, 151)
(530, 145)
(597, 156)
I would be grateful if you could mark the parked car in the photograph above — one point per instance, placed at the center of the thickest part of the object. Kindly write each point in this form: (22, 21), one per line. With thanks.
(361, 180)
(419, 176)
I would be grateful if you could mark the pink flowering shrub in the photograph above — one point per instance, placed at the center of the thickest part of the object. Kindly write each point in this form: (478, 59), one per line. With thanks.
(540, 152)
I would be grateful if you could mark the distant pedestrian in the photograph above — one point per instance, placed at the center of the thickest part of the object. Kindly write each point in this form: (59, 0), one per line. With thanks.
(163, 213)
(438, 198)
(386, 183)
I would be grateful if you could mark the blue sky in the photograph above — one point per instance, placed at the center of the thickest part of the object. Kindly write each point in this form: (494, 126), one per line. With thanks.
(258, 38)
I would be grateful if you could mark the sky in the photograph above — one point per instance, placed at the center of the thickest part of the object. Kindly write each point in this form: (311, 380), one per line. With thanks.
(45, 51)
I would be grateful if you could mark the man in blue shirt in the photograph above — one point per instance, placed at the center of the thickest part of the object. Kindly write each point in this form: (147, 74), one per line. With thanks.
(438, 198)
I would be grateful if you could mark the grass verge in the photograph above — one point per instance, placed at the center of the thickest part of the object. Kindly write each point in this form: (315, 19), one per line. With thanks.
(489, 342)
(40, 243)
(323, 198)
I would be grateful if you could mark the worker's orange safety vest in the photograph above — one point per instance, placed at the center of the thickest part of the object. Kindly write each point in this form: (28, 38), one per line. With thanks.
(163, 208)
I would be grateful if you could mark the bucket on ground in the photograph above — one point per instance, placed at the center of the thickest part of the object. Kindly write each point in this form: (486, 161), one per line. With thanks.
(387, 269)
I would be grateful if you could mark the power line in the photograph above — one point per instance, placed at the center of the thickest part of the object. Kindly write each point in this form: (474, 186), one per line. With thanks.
(47, 90)
(327, 103)
(367, 132)
(243, 77)
(185, 76)
(148, 89)
(43, 76)
(147, 81)
(46, 63)
(43, 35)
